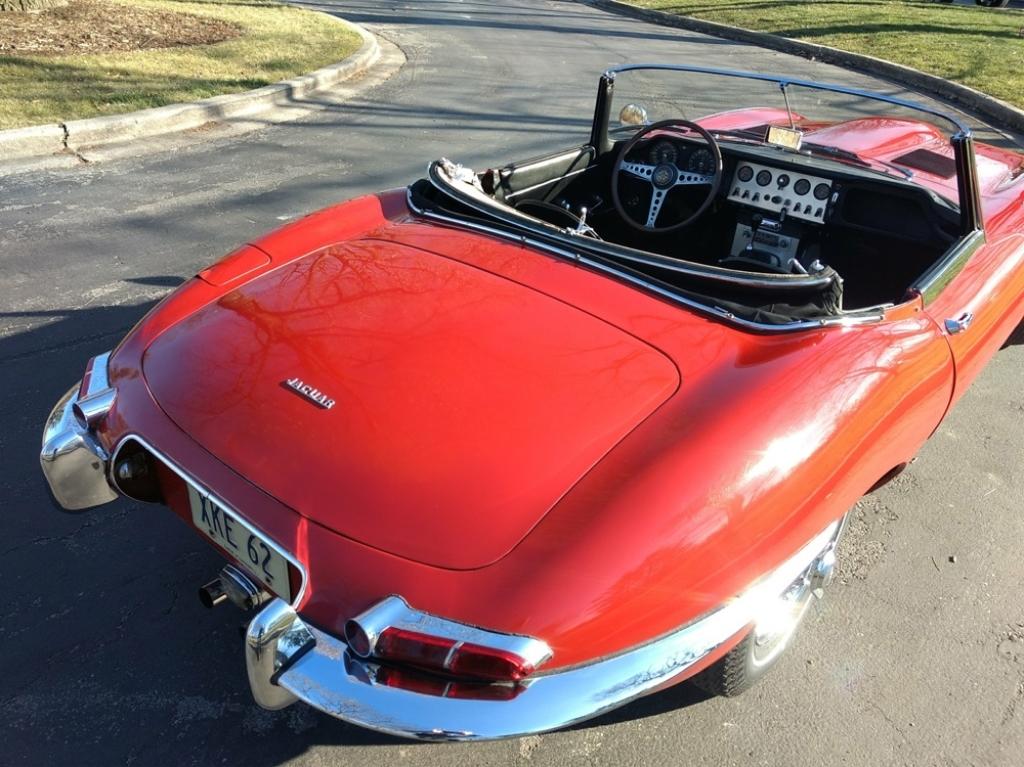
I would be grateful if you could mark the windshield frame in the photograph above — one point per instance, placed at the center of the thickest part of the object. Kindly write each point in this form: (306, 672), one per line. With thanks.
(962, 138)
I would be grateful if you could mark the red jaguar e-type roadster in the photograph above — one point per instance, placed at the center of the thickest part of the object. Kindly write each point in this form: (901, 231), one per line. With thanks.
(504, 450)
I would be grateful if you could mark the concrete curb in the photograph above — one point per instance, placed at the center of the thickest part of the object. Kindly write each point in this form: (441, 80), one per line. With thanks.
(76, 135)
(1003, 115)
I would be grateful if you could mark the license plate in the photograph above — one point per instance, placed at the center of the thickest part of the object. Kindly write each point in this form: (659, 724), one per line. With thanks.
(239, 538)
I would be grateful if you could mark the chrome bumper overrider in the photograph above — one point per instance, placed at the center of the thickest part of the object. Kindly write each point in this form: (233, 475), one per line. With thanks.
(72, 459)
(288, 660)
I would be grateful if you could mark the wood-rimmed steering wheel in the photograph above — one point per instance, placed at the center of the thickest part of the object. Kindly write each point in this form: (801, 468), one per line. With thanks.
(666, 176)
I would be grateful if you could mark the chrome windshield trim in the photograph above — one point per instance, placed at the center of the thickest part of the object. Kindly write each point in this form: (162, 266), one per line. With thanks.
(326, 675)
(781, 80)
(712, 311)
(202, 490)
(961, 136)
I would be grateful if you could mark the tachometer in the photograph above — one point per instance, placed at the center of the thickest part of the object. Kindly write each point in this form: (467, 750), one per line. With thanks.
(664, 152)
(702, 162)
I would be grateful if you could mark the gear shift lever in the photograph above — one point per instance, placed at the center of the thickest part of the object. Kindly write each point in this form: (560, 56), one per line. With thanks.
(759, 223)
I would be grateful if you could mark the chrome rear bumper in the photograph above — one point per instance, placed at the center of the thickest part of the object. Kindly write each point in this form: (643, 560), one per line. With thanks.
(288, 660)
(73, 461)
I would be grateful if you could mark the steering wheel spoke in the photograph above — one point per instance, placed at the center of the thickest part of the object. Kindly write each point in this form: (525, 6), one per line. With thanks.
(639, 169)
(694, 179)
(657, 200)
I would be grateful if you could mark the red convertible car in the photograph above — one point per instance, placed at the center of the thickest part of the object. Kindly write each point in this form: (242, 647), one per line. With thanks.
(507, 449)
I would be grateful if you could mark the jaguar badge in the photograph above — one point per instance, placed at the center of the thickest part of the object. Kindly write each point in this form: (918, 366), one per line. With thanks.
(310, 393)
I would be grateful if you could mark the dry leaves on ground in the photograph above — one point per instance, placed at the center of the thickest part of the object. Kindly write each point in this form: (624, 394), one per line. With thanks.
(94, 26)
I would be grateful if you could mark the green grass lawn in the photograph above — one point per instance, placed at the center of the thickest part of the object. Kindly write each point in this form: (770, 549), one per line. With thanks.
(277, 43)
(979, 47)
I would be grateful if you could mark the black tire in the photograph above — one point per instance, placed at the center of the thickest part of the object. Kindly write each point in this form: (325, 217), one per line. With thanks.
(746, 663)
(733, 674)
(754, 656)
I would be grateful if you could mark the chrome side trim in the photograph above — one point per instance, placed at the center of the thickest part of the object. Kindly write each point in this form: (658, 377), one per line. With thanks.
(934, 281)
(713, 311)
(326, 675)
(187, 478)
(395, 612)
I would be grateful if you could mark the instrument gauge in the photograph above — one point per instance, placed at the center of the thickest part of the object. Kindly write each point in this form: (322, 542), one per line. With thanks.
(764, 178)
(745, 173)
(702, 162)
(663, 153)
(822, 191)
(802, 186)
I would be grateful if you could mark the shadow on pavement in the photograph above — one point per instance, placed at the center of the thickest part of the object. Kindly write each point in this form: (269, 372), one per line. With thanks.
(108, 636)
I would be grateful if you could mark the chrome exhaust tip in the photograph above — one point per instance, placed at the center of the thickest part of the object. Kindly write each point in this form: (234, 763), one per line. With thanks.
(241, 590)
(212, 594)
(235, 585)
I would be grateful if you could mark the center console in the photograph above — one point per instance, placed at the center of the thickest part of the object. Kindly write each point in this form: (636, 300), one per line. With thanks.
(776, 210)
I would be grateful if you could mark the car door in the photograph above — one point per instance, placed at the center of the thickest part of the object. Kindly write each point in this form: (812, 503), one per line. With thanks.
(979, 307)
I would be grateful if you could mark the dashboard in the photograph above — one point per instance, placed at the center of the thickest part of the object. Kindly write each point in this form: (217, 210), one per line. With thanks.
(784, 209)
(800, 195)
(787, 198)
(774, 190)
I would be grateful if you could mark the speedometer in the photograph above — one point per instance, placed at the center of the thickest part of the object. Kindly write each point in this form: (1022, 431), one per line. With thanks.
(662, 153)
(702, 162)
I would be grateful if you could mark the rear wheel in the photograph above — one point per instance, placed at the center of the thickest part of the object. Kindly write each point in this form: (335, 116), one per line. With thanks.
(745, 664)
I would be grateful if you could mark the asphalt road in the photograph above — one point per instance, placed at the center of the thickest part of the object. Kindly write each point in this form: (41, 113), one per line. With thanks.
(1013, 3)
(917, 656)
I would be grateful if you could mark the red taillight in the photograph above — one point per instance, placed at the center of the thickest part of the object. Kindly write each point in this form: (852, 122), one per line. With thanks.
(392, 632)
(478, 662)
(443, 688)
(413, 647)
(462, 659)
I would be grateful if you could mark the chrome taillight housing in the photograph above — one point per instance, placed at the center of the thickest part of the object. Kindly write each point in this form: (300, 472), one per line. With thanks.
(393, 631)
